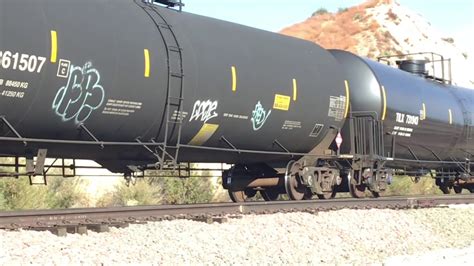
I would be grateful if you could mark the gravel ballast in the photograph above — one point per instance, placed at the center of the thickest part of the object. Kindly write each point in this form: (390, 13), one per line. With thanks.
(336, 237)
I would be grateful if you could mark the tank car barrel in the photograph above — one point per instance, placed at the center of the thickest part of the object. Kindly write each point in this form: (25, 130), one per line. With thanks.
(78, 72)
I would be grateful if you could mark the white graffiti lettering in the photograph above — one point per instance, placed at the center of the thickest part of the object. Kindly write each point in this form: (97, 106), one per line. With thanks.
(204, 110)
(259, 116)
(82, 94)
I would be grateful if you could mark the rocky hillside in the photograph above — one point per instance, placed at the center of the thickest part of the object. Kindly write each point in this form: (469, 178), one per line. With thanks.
(383, 27)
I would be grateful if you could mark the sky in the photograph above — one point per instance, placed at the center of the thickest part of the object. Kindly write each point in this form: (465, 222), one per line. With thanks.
(452, 17)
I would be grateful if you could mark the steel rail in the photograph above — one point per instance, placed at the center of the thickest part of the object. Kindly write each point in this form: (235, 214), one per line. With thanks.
(116, 215)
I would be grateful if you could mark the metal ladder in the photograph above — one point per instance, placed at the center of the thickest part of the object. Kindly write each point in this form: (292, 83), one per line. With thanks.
(467, 118)
(168, 152)
(367, 135)
(469, 125)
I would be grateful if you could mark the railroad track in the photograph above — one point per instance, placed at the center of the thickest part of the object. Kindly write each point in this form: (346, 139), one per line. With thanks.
(80, 221)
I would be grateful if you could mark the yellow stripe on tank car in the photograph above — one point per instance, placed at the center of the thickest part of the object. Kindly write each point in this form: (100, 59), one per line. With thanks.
(450, 116)
(384, 98)
(234, 78)
(348, 98)
(146, 54)
(295, 90)
(204, 134)
(54, 46)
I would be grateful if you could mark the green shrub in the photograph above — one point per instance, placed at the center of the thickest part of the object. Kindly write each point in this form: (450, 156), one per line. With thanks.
(160, 190)
(18, 194)
(67, 192)
(184, 190)
(320, 11)
(142, 193)
(342, 9)
(404, 185)
(448, 40)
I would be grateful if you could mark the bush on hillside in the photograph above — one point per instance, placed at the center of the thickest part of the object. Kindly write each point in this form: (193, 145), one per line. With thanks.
(320, 11)
(448, 39)
(342, 10)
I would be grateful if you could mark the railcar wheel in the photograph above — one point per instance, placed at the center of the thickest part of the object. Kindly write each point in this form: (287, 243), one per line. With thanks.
(457, 189)
(377, 194)
(241, 195)
(356, 191)
(294, 188)
(270, 194)
(308, 195)
(237, 196)
(445, 189)
(328, 195)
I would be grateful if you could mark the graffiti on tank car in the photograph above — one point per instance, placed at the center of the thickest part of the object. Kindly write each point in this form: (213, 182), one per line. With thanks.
(204, 111)
(81, 96)
(259, 116)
